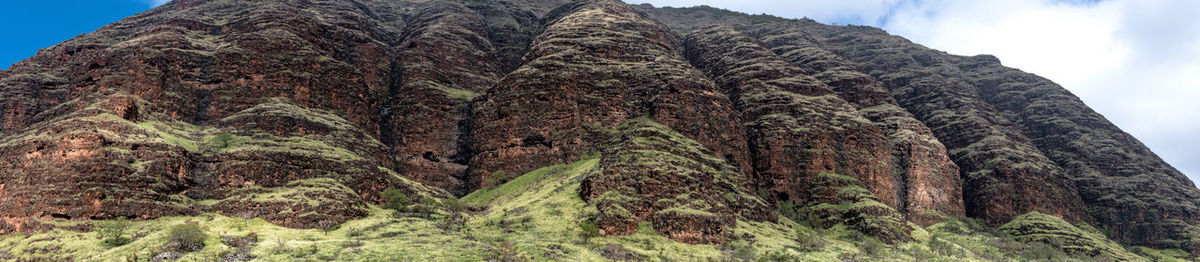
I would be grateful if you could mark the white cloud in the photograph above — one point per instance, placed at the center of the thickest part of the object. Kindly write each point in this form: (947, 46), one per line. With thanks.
(1135, 61)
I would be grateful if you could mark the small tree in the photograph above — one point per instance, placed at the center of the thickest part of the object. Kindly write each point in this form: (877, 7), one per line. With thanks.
(186, 237)
(327, 225)
(395, 200)
(589, 230)
(246, 217)
(113, 232)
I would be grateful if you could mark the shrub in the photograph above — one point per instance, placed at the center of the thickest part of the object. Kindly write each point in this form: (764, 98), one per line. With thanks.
(186, 237)
(427, 205)
(778, 256)
(737, 250)
(242, 246)
(589, 230)
(222, 140)
(810, 242)
(941, 247)
(327, 225)
(281, 246)
(1044, 252)
(505, 252)
(113, 232)
(395, 199)
(453, 222)
(454, 205)
(617, 252)
(871, 247)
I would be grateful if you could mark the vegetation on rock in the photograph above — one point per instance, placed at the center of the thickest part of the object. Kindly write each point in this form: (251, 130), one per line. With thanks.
(556, 130)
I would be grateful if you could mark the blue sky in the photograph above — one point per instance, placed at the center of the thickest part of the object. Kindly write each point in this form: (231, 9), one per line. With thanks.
(36, 24)
(1135, 61)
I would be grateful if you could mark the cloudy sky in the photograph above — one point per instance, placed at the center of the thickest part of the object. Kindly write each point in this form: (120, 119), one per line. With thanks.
(1135, 61)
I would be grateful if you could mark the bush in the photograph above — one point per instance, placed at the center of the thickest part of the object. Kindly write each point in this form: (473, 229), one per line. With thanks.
(589, 230)
(454, 205)
(810, 242)
(427, 205)
(113, 232)
(242, 246)
(327, 225)
(395, 199)
(778, 256)
(941, 247)
(737, 250)
(186, 237)
(222, 140)
(871, 247)
(505, 252)
(453, 222)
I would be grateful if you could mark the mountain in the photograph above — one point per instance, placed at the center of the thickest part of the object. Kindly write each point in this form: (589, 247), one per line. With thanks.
(453, 130)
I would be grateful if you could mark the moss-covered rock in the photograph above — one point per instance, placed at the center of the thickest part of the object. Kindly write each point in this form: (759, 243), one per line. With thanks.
(1080, 239)
(597, 63)
(652, 173)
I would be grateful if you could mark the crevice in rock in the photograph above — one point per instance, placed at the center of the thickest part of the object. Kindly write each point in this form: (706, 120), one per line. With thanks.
(387, 134)
(203, 101)
(463, 147)
(200, 182)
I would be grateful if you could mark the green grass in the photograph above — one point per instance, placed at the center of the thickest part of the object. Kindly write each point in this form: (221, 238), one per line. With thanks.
(1075, 239)
(539, 213)
(518, 185)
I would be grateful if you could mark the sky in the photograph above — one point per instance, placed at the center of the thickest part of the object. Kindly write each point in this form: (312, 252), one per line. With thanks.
(1137, 62)
(30, 25)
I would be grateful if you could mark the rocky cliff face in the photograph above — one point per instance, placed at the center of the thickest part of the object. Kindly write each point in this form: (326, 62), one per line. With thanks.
(598, 64)
(302, 111)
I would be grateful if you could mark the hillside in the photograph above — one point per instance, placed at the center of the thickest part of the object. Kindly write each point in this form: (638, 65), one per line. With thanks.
(554, 130)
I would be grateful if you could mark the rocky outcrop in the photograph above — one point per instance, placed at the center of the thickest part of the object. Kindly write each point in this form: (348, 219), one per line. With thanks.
(801, 129)
(1126, 187)
(101, 160)
(840, 199)
(797, 126)
(1080, 239)
(652, 173)
(1003, 172)
(452, 51)
(301, 112)
(146, 116)
(930, 181)
(597, 63)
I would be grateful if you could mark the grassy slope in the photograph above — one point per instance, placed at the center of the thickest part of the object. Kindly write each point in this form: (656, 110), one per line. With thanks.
(538, 214)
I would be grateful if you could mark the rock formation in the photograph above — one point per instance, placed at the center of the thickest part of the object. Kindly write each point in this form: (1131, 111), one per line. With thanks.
(301, 112)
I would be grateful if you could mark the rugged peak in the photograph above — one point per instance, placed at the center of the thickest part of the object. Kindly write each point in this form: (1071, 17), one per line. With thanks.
(561, 121)
(600, 64)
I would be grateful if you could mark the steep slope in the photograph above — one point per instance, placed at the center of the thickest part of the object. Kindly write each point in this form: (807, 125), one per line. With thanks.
(597, 63)
(651, 173)
(452, 51)
(1004, 174)
(1042, 119)
(997, 122)
(931, 179)
(1127, 188)
(147, 116)
(576, 130)
(908, 171)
